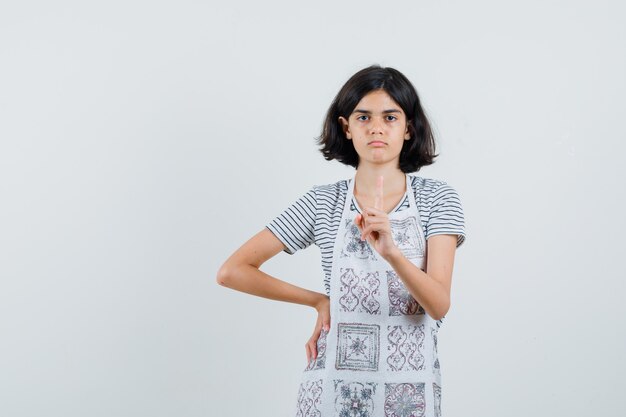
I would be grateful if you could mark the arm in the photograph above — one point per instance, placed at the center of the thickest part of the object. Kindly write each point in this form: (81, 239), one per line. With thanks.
(431, 289)
(241, 272)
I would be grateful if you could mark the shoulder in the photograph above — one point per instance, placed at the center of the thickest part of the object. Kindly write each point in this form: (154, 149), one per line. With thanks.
(333, 187)
(331, 191)
(430, 188)
(442, 207)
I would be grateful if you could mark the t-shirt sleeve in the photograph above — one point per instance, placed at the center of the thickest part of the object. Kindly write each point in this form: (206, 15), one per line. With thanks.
(295, 226)
(446, 214)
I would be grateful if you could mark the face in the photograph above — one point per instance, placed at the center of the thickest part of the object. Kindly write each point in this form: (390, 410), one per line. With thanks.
(377, 128)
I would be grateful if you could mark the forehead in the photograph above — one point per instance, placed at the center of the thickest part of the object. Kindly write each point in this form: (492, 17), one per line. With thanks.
(377, 101)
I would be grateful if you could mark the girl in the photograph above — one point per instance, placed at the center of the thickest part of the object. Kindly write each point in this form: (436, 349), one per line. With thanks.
(387, 240)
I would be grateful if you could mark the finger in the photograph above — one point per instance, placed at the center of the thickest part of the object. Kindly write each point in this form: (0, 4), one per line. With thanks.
(370, 229)
(314, 338)
(367, 234)
(357, 220)
(373, 211)
(365, 230)
(376, 220)
(378, 200)
(373, 224)
(326, 321)
(308, 354)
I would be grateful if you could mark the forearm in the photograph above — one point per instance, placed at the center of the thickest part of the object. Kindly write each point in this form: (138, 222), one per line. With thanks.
(251, 280)
(429, 293)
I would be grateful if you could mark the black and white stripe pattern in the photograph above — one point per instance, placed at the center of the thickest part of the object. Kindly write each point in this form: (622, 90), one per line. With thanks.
(315, 216)
(404, 205)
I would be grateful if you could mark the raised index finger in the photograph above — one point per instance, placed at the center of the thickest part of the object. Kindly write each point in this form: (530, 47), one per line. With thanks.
(378, 200)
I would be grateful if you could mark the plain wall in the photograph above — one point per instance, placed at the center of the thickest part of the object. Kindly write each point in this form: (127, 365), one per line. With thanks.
(143, 142)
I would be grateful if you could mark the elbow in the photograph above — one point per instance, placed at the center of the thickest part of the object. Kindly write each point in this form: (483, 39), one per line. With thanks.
(437, 317)
(441, 313)
(223, 275)
(230, 274)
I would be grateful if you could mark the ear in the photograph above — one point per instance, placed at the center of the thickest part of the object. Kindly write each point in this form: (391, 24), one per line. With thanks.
(407, 133)
(345, 127)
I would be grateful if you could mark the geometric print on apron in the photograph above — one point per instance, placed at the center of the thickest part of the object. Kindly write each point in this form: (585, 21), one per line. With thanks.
(379, 357)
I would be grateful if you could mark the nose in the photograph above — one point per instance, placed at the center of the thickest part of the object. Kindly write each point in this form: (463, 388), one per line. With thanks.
(376, 126)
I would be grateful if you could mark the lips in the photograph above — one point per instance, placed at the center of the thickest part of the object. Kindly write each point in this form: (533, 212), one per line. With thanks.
(377, 143)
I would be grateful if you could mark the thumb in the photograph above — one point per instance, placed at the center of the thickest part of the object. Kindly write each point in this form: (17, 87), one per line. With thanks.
(325, 322)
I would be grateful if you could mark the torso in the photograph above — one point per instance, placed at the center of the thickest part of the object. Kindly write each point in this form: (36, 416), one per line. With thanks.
(380, 354)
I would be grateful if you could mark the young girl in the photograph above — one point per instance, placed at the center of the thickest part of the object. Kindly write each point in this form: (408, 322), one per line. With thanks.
(387, 240)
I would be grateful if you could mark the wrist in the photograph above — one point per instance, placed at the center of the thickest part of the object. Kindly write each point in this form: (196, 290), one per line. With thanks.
(321, 300)
(394, 255)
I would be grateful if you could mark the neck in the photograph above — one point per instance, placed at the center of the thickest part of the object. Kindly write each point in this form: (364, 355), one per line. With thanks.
(394, 180)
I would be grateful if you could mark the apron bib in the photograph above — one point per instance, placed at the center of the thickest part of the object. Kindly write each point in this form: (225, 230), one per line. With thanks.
(379, 357)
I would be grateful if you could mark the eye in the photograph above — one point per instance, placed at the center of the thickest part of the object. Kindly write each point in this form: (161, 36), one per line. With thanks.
(360, 117)
(391, 118)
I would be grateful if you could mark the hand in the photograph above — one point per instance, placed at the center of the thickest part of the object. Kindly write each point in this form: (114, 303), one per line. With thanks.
(323, 322)
(374, 225)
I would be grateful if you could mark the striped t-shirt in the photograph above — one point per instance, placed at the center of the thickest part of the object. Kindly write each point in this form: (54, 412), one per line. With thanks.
(315, 216)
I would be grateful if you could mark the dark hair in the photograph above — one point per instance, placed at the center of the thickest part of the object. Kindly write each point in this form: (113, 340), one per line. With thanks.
(416, 152)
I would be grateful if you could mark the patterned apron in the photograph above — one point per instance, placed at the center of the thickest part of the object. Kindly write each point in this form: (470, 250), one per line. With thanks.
(379, 357)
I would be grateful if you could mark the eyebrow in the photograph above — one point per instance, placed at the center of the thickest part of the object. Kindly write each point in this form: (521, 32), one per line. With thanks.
(369, 112)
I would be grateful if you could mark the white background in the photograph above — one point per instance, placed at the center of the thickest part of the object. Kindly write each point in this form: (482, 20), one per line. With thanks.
(142, 142)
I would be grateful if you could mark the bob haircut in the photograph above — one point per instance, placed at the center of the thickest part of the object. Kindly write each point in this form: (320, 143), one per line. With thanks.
(416, 152)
